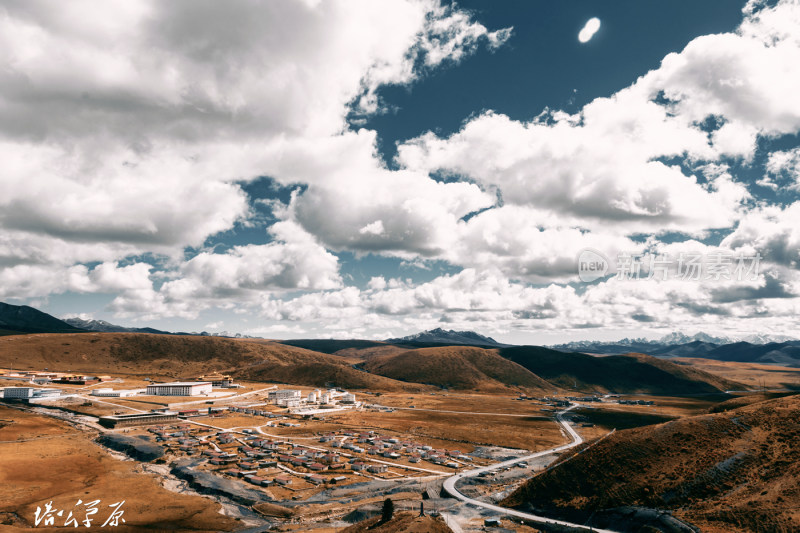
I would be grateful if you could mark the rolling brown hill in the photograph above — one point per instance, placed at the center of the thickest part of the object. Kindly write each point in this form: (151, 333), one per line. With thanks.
(359, 366)
(735, 471)
(631, 373)
(457, 367)
(182, 357)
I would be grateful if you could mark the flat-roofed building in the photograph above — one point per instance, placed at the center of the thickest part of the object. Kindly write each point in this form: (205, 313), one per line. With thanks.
(348, 398)
(138, 419)
(18, 393)
(77, 380)
(283, 395)
(46, 393)
(16, 377)
(180, 388)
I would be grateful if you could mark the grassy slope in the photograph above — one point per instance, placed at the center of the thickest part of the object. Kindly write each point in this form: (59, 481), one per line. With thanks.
(170, 356)
(457, 367)
(725, 472)
(615, 373)
(54, 462)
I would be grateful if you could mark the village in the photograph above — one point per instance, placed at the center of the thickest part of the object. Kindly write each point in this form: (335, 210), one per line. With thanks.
(255, 444)
(230, 430)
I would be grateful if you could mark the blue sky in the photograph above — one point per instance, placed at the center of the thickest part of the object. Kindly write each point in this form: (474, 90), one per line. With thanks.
(362, 169)
(543, 65)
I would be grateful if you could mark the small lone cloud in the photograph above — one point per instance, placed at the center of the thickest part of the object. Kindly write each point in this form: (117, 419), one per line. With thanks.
(589, 29)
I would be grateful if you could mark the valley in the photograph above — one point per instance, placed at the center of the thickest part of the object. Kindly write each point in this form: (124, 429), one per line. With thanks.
(420, 418)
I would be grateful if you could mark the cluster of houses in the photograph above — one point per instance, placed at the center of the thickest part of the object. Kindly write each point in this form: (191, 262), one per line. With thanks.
(44, 378)
(585, 398)
(635, 402)
(254, 412)
(29, 376)
(555, 402)
(280, 480)
(35, 377)
(259, 453)
(561, 402)
(183, 436)
(393, 448)
(259, 412)
(79, 379)
(329, 398)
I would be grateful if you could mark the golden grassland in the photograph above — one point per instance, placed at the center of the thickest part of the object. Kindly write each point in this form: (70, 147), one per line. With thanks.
(43, 460)
(172, 357)
(754, 375)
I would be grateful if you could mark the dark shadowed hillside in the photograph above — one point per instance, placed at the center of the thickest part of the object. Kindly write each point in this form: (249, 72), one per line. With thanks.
(615, 373)
(735, 471)
(23, 319)
(331, 345)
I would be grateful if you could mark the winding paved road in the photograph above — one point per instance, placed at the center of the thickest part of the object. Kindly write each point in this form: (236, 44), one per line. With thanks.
(450, 483)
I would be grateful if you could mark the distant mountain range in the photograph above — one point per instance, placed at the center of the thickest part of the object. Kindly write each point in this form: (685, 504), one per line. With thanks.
(107, 327)
(672, 339)
(767, 349)
(16, 319)
(440, 336)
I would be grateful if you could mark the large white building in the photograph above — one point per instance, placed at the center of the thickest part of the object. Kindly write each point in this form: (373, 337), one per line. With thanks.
(29, 393)
(180, 388)
(18, 392)
(286, 397)
(348, 398)
(285, 394)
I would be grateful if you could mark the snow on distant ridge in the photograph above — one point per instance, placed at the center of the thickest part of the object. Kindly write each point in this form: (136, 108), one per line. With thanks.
(441, 336)
(676, 338)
